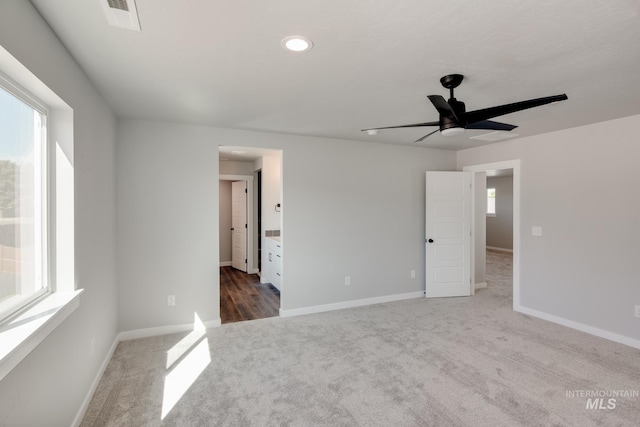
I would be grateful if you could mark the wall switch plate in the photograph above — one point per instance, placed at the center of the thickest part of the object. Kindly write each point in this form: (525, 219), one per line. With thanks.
(413, 274)
(536, 231)
(93, 345)
(171, 300)
(347, 280)
(637, 310)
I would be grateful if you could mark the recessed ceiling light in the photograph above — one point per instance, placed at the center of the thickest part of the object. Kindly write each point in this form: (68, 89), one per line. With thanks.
(296, 43)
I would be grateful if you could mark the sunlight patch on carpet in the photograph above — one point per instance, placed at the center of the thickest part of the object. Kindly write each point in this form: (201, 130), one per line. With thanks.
(187, 371)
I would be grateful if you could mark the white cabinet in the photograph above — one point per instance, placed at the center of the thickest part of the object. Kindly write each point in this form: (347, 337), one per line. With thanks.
(272, 262)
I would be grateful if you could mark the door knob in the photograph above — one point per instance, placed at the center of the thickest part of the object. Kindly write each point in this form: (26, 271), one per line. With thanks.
(430, 240)
(232, 228)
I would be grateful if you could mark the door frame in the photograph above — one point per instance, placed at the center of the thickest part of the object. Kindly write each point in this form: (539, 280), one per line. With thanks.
(249, 179)
(515, 166)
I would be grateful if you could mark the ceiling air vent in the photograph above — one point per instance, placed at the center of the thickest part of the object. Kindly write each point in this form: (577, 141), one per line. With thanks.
(121, 13)
(118, 4)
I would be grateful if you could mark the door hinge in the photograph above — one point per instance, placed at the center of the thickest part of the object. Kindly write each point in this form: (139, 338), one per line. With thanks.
(245, 260)
(245, 226)
(245, 190)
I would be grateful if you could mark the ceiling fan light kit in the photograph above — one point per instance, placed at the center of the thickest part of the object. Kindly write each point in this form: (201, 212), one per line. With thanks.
(454, 118)
(452, 131)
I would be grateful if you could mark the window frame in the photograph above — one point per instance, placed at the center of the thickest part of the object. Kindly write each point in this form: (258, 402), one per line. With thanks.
(23, 332)
(26, 302)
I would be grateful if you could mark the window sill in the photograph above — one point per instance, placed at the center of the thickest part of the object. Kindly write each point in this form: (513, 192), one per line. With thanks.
(22, 334)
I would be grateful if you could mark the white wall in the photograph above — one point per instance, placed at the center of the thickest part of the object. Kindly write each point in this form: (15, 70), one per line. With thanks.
(581, 186)
(500, 227)
(230, 167)
(49, 386)
(357, 209)
(167, 186)
(271, 192)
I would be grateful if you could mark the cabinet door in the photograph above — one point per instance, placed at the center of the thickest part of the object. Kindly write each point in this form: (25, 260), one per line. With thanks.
(277, 267)
(267, 266)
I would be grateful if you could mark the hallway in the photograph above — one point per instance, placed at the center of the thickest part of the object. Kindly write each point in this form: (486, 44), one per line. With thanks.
(243, 297)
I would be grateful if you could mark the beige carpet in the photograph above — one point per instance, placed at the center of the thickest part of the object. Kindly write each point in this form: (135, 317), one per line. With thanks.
(446, 362)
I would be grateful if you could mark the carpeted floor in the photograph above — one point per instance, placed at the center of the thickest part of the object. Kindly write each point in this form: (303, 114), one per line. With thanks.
(441, 362)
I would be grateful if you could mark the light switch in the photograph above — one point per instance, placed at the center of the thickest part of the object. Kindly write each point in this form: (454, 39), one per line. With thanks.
(536, 231)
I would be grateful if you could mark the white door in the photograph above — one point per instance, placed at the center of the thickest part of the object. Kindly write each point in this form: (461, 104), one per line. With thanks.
(239, 225)
(448, 234)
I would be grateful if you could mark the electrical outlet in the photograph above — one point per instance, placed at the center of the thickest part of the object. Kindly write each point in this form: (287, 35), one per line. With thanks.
(171, 300)
(413, 274)
(347, 280)
(536, 231)
(637, 310)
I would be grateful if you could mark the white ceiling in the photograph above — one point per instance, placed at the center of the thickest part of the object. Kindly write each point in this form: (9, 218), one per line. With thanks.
(373, 62)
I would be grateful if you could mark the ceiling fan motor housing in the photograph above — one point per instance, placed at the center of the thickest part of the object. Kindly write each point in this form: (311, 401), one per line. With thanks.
(448, 121)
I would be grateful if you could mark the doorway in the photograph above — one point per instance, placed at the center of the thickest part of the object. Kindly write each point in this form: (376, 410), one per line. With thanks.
(245, 291)
(236, 222)
(499, 232)
(478, 247)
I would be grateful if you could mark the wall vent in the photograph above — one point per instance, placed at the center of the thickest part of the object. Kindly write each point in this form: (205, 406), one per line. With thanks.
(118, 4)
(121, 13)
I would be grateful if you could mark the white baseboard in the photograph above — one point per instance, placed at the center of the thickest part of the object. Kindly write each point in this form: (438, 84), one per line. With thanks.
(631, 342)
(481, 285)
(94, 385)
(494, 248)
(349, 304)
(164, 330)
(225, 263)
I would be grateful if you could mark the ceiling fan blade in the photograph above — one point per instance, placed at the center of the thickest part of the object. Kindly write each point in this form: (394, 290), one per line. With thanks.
(488, 113)
(417, 125)
(491, 125)
(442, 106)
(424, 137)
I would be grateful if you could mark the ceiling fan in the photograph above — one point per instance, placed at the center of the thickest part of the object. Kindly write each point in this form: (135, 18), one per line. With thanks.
(454, 119)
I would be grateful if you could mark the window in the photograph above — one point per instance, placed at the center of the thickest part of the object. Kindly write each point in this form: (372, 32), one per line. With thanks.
(491, 201)
(23, 200)
(37, 273)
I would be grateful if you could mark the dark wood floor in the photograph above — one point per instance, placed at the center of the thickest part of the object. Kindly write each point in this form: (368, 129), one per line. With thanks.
(243, 297)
